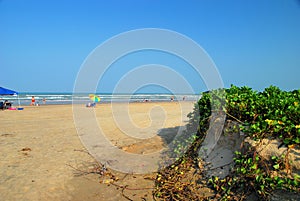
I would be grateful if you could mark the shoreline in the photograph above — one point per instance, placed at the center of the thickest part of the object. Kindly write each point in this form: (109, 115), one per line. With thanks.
(102, 103)
(66, 98)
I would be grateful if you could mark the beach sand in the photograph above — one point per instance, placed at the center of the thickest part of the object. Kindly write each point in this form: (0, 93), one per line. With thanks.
(43, 158)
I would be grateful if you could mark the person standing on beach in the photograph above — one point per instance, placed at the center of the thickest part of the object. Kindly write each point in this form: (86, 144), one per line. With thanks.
(32, 101)
(44, 101)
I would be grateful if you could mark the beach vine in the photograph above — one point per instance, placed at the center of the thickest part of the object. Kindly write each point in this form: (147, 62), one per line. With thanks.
(271, 114)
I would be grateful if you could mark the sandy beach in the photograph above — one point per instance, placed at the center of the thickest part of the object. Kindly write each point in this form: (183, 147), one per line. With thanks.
(43, 158)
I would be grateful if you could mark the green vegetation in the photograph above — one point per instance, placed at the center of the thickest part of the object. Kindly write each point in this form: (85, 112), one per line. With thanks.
(272, 114)
(250, 174)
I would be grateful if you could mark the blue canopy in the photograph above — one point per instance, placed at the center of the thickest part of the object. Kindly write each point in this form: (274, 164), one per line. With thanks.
(4, 92)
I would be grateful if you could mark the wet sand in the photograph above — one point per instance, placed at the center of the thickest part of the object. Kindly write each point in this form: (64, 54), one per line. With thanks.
(43, 158)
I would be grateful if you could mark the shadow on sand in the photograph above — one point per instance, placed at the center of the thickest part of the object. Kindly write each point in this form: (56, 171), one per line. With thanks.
(169, 134)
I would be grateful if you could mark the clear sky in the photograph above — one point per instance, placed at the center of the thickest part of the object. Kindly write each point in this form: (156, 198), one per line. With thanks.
(252, 42)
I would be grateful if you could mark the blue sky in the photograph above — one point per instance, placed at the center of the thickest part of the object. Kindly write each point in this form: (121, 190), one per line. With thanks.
(253, 43)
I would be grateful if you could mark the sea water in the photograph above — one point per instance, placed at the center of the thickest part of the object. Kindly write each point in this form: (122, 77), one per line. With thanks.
(70, 98)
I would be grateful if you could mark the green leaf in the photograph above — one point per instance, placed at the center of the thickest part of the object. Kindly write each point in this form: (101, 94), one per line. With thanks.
(276, 167)
(297, 140)
(254, 166)
(286, 141)
(280, 181)
(243, 170)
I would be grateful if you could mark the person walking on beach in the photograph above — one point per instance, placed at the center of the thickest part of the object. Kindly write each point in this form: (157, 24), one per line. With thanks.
(32, 101)
(44, 101)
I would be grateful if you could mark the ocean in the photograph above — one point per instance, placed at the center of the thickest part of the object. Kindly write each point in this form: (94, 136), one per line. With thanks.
(70, 98)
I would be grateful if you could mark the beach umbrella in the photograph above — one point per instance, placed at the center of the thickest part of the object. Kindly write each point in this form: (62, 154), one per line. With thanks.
(94, 98)
(5, 92)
